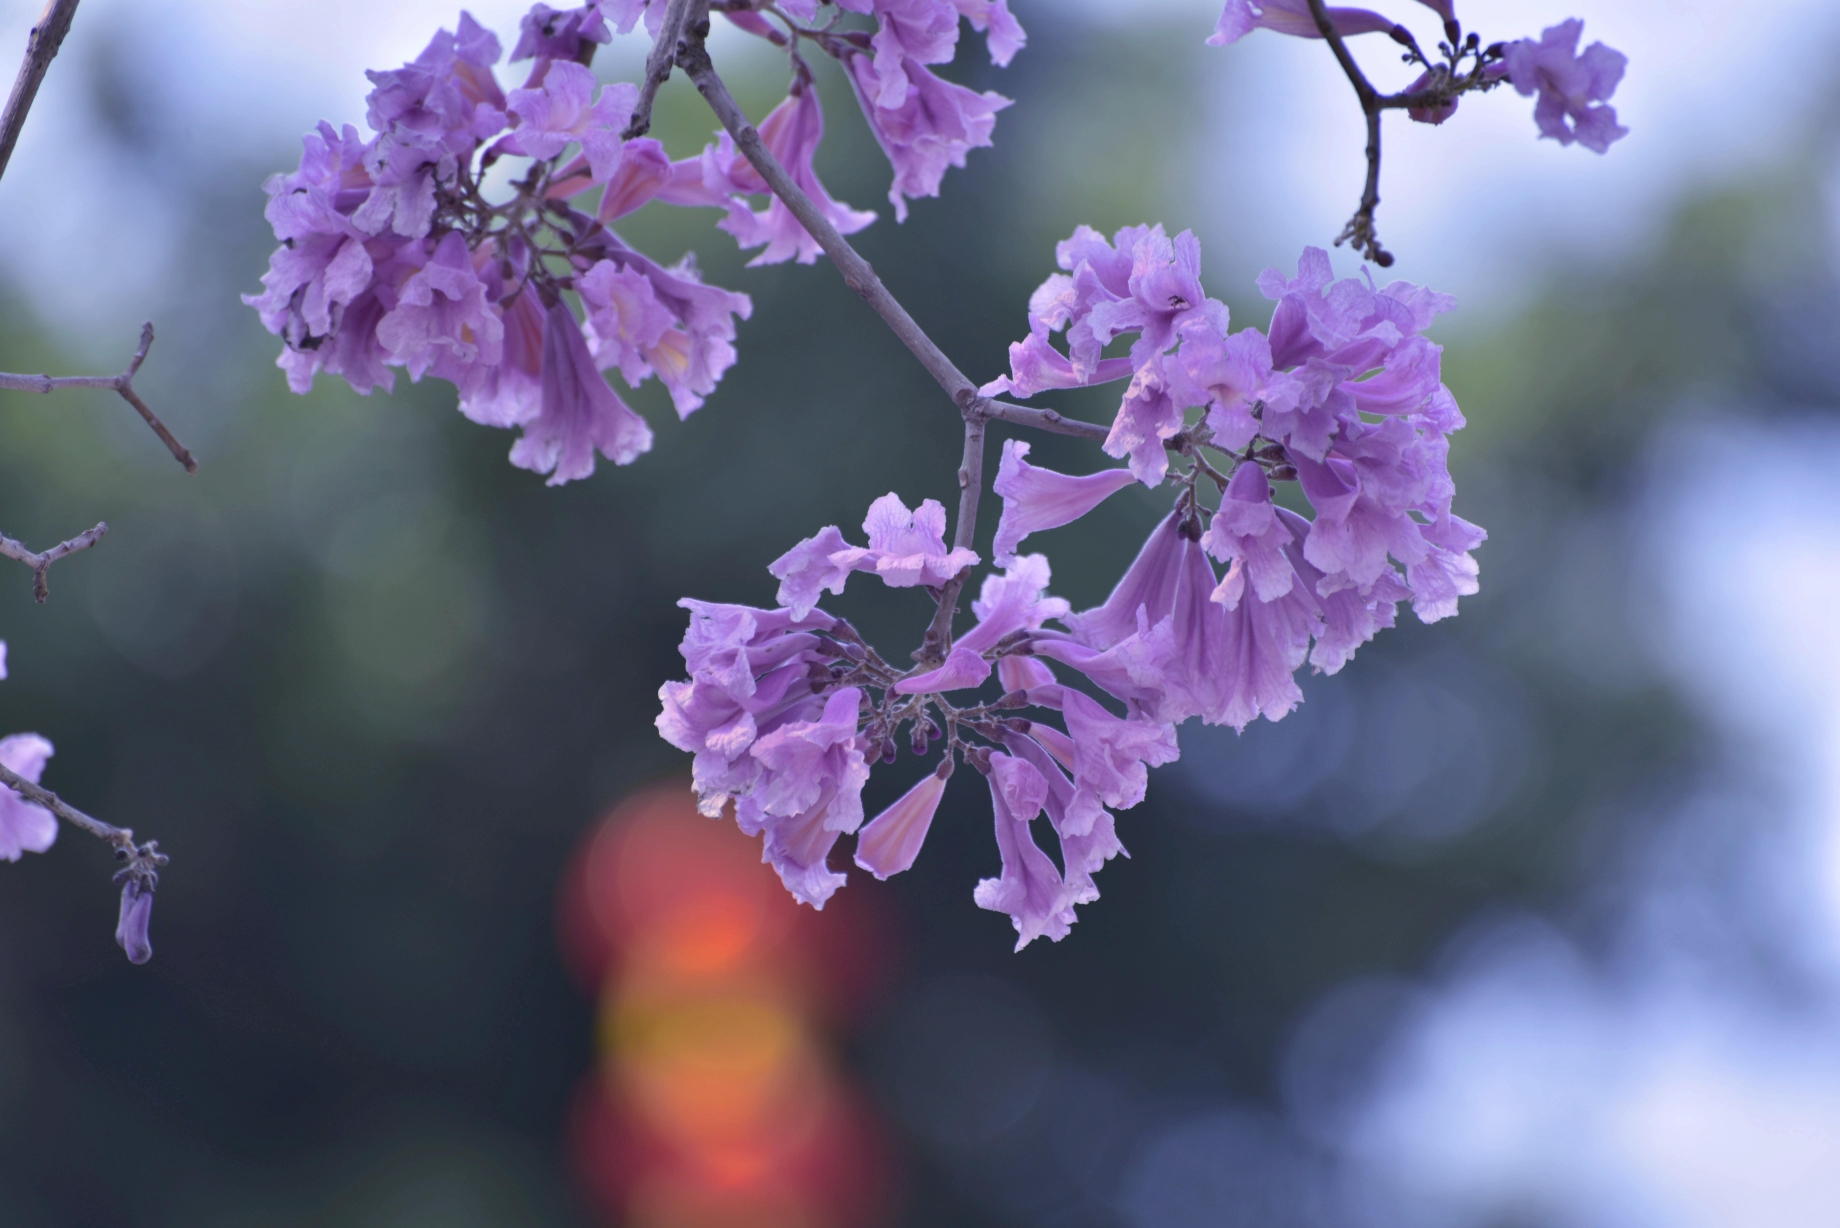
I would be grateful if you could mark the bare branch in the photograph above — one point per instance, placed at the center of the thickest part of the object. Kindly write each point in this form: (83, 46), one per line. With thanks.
(1360, 228)
(143, 860)
(1044, 420)
(41, 46)
(665, 50)
(122, 384)
(41, 563)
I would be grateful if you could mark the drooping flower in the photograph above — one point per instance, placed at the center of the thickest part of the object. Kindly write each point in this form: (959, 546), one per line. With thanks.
(1574, 88)
(577, 414)
(136, 914)
(1035, 499)
(808, 793)
(749, 671)
(890, 842)
(1148, 585)
(936, 125)
(791, 132)
(1029, 888)
(1293, 17)
(24, 826)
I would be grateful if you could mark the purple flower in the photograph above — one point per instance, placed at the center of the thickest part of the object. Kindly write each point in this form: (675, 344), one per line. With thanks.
(921, 31)
(1111, 754)
(809, 792)
(1350, 617)
(1035, 365)
(560, 113)
(643, 173)
(1246, 527)
(1226, 374)
(577, 412)
(441, 319)
(1242, 17)
(963, 668)
(447, 94)
(1085, 828)
(1147, 417)
(131, 928)
(1264, 644)
(809, 568)
(405, 168)
(749, 671)
(1035, 499)
(934, 127)
(1003, 34)
(907, 548)
(510, 392)
(1029, 888)
(1148, 585)
(24, 827)
(1015, 601)
(1572, 87)
(889, 843)
(626, 324)
(792, 132)
(566, 34)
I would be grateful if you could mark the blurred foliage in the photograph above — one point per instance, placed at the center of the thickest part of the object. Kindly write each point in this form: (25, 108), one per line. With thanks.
(368, 684)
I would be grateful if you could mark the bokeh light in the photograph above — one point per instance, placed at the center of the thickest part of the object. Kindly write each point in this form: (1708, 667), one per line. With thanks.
(718, 1101)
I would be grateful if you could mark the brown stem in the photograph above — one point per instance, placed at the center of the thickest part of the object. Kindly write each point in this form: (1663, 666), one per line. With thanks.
(143, 860)
(1360, 228)
(665, 50)
(40, 563)
(41, 46)
(122, 384)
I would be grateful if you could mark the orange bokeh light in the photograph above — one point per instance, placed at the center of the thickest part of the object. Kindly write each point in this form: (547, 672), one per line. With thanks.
(717, 1101)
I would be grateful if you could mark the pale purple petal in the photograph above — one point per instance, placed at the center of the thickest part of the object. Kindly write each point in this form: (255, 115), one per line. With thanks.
(24, 827)
(889, 843)
(1035, 499)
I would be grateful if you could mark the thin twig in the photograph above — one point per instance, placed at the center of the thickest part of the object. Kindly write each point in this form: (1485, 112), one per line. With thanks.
(144, 860)
(665, 50)
(1360, 228)
(40, 563)
(123, 384)
(41, 46)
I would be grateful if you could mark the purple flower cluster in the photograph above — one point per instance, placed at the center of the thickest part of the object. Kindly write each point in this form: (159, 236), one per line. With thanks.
(392, 256)
(787, 710)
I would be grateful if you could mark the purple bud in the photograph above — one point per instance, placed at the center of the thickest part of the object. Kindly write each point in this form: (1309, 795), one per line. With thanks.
(131, 929)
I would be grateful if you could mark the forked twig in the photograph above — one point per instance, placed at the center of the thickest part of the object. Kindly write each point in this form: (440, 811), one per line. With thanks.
(122, 384)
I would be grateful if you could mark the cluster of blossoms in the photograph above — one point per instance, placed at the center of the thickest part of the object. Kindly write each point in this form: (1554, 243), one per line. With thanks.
(392, 255)
(787, 709)
(1573, 87)
(26, 827)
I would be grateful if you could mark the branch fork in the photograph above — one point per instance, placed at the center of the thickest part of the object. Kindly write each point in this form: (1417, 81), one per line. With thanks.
(122, 384)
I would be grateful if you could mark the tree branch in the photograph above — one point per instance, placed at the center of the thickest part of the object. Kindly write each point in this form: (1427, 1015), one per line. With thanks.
(41, 563)
(143, 860)
(123, 384)
(665, 50)
(1360, 228)
(41, 46)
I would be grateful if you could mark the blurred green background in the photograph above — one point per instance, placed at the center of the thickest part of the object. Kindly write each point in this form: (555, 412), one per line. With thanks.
(369, 684)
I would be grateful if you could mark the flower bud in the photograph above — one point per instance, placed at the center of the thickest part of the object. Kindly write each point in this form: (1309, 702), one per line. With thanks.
(131, 929)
